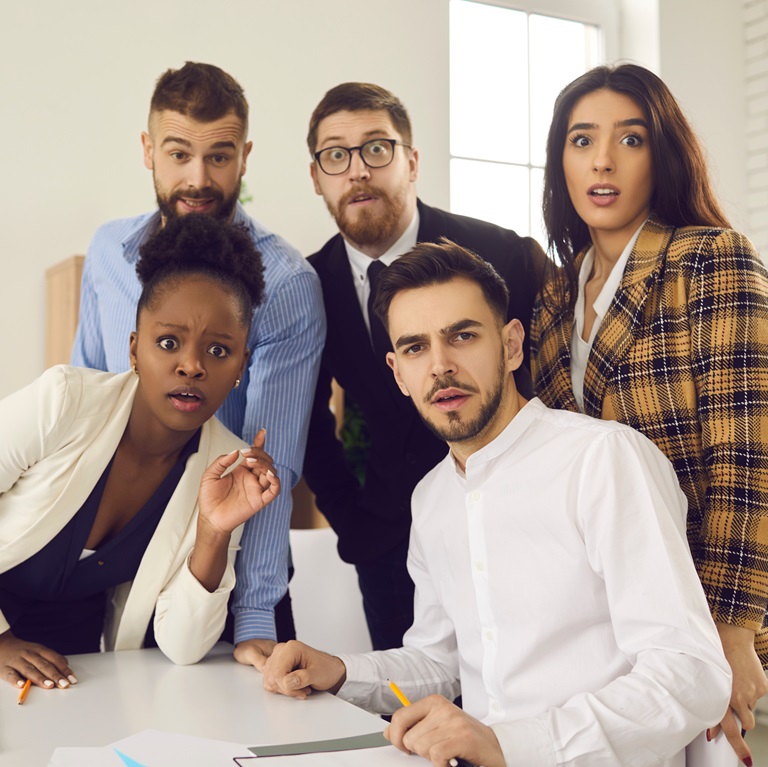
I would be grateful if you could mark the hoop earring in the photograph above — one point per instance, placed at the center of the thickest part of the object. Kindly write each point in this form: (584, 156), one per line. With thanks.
(136, 369)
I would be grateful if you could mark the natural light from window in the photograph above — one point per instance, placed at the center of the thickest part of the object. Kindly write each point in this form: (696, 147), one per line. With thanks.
(506, 68)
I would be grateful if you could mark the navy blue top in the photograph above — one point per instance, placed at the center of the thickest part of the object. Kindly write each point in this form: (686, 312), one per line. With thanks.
(59, 600)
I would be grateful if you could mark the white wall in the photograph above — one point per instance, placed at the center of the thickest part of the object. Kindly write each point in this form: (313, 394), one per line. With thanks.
(77, 78)
(703, 62)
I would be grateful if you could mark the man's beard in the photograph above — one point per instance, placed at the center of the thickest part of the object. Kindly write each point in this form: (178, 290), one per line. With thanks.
(458, 430)
(224, 206)
(367, 227)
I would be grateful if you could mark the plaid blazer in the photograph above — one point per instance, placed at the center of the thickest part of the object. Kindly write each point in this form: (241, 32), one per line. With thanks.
(682, 356)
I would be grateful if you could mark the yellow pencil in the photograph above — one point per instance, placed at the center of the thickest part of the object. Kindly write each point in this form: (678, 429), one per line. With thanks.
(24, 692)
(398, 692)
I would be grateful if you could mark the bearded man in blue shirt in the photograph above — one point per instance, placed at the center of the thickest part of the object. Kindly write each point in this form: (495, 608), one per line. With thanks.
(196, 147)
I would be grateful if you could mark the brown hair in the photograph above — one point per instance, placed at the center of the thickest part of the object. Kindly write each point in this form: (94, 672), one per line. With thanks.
(357, 97)
(682, 193)
(200, 91)
(431, 263)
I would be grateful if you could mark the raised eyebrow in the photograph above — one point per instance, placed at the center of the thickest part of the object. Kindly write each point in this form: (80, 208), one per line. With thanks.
(185, 143)
(620, 124)
(374, 133)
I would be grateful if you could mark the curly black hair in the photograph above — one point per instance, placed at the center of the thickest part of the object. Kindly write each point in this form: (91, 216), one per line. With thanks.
(197, 244)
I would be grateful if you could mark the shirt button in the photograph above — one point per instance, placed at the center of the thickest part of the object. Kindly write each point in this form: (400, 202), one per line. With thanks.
(479, 566)
(495, 707)
(490, 635)
(101, 562)
(474, 496)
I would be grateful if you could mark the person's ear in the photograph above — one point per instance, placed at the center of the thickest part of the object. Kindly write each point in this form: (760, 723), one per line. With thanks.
(246, 357)
(314, 173)
(392, 362)
(246, 151)
(132, 344)
(413, 162)
(512, 337)
(146, 143)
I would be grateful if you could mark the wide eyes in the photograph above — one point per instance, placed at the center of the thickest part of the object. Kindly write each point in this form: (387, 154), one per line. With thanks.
(171, 344)
(217, 350)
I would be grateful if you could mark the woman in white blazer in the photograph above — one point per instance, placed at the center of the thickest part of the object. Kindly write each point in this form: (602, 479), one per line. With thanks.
(120, 509)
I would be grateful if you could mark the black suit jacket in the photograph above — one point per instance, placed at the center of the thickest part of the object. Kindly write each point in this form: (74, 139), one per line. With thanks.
(373, 519)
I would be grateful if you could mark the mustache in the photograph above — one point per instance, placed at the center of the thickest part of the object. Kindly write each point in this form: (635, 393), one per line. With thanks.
(206, 193)
(449, 382)
(373, 191)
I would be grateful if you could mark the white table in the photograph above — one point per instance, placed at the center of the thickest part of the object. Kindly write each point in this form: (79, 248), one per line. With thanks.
(121, 693)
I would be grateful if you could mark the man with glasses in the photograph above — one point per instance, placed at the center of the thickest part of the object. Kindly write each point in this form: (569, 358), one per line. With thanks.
(365, 167)
(196, 146)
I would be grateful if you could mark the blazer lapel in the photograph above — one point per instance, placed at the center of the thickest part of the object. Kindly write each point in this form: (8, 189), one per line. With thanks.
(620, 324)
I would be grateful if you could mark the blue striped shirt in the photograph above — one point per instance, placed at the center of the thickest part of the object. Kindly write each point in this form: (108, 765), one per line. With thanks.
(286, 340)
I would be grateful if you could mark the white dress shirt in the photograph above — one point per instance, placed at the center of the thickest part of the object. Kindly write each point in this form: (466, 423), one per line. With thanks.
(359, 263)
(556, 591)
(580, 348)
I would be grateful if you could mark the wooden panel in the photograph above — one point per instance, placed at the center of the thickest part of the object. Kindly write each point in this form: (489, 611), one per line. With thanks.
(62, 303)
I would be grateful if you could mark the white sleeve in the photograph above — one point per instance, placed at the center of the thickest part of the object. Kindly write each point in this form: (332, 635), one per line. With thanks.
(189, 619)
(425, 665)
(631, 516)
(32, 420)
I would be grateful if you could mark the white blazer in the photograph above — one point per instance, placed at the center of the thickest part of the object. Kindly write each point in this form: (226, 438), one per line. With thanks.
(57, 436)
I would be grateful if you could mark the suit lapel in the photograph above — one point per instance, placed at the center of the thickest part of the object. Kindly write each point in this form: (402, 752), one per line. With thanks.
(621, 323)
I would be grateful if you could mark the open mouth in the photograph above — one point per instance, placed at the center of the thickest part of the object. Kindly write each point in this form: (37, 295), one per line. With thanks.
(186, 401)
(604, 192)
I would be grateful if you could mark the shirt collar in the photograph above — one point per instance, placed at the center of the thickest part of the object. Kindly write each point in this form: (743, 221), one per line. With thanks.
(513, 431)
(360, 262)
(609, 289)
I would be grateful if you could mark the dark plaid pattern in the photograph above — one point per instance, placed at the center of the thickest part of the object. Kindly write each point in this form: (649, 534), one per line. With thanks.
(682, 356)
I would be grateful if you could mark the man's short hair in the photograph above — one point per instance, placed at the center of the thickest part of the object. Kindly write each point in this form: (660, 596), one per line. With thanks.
(200, 91)
(431, 263)
(358, 97)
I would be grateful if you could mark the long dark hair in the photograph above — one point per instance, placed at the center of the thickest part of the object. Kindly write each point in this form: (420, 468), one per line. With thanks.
(682, 194)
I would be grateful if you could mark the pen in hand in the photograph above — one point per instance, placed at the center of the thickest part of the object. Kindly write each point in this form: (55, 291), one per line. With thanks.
(454, 761)
(24, 692)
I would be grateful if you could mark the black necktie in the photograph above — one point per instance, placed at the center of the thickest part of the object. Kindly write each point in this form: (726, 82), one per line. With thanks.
(379, 337)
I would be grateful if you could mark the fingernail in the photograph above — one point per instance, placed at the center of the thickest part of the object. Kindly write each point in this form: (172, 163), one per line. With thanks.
(72, 679)
(748, 761)
(47, 683)
(293, 681)
(20, 683)
(251, 461)
(63, 683)
(743, 733)
(269, 473)
(709, 737)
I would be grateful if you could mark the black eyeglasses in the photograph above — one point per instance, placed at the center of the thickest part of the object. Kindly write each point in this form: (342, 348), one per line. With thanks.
(376, 153)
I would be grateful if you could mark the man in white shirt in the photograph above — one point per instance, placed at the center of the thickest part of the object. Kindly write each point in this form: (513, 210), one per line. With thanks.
(554, 585)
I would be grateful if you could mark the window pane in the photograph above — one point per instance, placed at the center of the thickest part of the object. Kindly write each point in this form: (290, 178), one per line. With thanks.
(493, 192)
(488, 82)
(576, 46)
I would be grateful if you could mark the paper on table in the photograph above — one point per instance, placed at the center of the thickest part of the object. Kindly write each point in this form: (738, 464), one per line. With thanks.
(88, 757)
(151, 748)
(388, 756)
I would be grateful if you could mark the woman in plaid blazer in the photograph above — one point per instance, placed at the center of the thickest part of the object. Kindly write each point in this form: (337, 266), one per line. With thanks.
(672, 341)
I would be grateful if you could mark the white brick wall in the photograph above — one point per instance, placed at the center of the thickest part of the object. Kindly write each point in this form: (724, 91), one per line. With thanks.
(756, 39)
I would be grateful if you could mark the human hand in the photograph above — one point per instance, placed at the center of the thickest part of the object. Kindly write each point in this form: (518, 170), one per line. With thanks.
(254, 652)
(438, 730)
(21, 660)
(295, 669)
(749, 685)
(227, 501)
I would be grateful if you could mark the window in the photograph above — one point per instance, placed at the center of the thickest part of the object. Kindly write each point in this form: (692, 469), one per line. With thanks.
(506, 68)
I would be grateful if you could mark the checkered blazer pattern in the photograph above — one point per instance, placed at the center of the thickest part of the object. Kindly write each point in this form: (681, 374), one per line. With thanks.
(682, 356)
